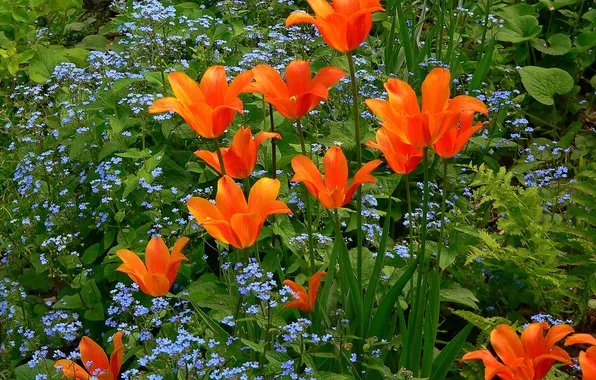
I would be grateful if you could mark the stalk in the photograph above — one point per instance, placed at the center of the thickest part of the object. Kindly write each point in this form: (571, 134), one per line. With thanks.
(411, 232)
(359, 164)
(220, 157)
(273, 145)
(307, 201)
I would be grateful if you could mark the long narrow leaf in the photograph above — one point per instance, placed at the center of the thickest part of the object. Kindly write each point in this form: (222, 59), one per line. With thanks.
(483, 67)
(446, 357)
(349, 276)
(376, 274)
(387, 304)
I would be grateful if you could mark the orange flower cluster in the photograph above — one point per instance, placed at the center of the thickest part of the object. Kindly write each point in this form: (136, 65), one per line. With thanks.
(528, 358)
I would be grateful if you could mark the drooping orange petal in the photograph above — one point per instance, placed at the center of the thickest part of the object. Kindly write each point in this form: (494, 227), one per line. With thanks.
(214, 85)
(72, 369)
(580, 339)
(435, 90)
(185, 89)
(298, 290)
(203, 210)
(238, 86)
(157, 256)
(300, 17)
(93, 356)
(176, 258)
(299, 304)
(157, 284)
(306, 172)
(464, 137)
(587, 360)
(117, 355)
(402, 97)
(313, 286)
(229, 198)
(166, 105)
(491, 364)
(556, 333)
(263, 199)
(210, 158)
(336, 169)
(132, 261)
(362, 176)
(507, 344)
(247, 228)
(298, 77)
(328, 76)
(467, 103)
(268, 82)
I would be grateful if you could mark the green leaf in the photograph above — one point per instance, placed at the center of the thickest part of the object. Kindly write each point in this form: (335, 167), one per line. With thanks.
(42, 65)
(90, 293)
(542, 84)
(448, 354)
(25, 372)
(459, 295)
(585, 40)
(91, 254)
(483, 66)
(95, 314)
(258, 347)
(69, 302)
(94, 42)
(519, 29)
(558, 44)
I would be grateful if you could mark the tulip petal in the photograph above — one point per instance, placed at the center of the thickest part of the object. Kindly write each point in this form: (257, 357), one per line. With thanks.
(263, 199)
(247, 228)
(157, 256)
(580, 339)
(328, 76)
(336, 169)
(543, 363)
(176, 258)
(200, 118)
(556, 333)
(464, 137)
(186, 90)
(334, 30)
(299, 304)
(93, 356)
(238, 86)
(72, 369)
(299, 18)
(214, 85)
(223, 117)
(298, 77)
(384, 111)
(133, 267)
(492, 366)
(313, 286)
(362, 176)
(359, 25)
(321, 7)
(507, 344)
(587, 360)
(402, 97)
(306, 172)
(203, 210)
(166, 105)
(117, 355)
(230, 199)
(467, 103)
(157, 284)
(297, 289)
(268, 82)
(222, 231)
(262, 136)
(418, 131)
(435, 91)
(210, 158)
(532, 339)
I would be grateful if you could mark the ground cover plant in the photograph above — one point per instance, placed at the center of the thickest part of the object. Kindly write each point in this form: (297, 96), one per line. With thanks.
(355, 189)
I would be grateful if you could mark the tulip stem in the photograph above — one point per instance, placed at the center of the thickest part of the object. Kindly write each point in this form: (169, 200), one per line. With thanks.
(359, 164)
(273, 144)
(307, 202)
(222, 166)
(411, 231)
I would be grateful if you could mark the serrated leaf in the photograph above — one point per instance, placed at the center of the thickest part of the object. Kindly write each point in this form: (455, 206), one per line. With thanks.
(542, 84)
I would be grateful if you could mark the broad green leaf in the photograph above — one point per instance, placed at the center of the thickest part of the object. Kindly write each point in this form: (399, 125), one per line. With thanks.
(519, 29)
(558, 44)
(459, 295)
(42, 65)
(91, 254)
(94, 42)
(557, 4)
(542, 84)
(25, 372)
(585, 40)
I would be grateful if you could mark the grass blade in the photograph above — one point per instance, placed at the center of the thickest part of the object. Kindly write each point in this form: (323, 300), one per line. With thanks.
(446, 357)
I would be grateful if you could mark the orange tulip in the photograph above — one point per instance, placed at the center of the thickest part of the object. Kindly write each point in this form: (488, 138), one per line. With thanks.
(344, 24)
(587, 358)
(334, 192)
(95, 360)
(231, 219)
(209, 108)
(241, 157)
(305, 301)
(454, 140)
(527, 359)
(401, 157)
(301, 94)
(402, 115)
(158, 276)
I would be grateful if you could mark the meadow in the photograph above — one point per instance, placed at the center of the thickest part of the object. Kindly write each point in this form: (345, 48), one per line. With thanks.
(291, 189)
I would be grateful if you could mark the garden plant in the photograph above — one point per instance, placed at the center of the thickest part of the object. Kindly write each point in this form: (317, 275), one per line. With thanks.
(297, 189)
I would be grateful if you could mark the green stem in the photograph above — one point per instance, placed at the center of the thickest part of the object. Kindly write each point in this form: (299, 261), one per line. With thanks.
(411, 231)
(307, 202)
(273, 145)
(220, 157)
(443, 201)
(359, 164)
